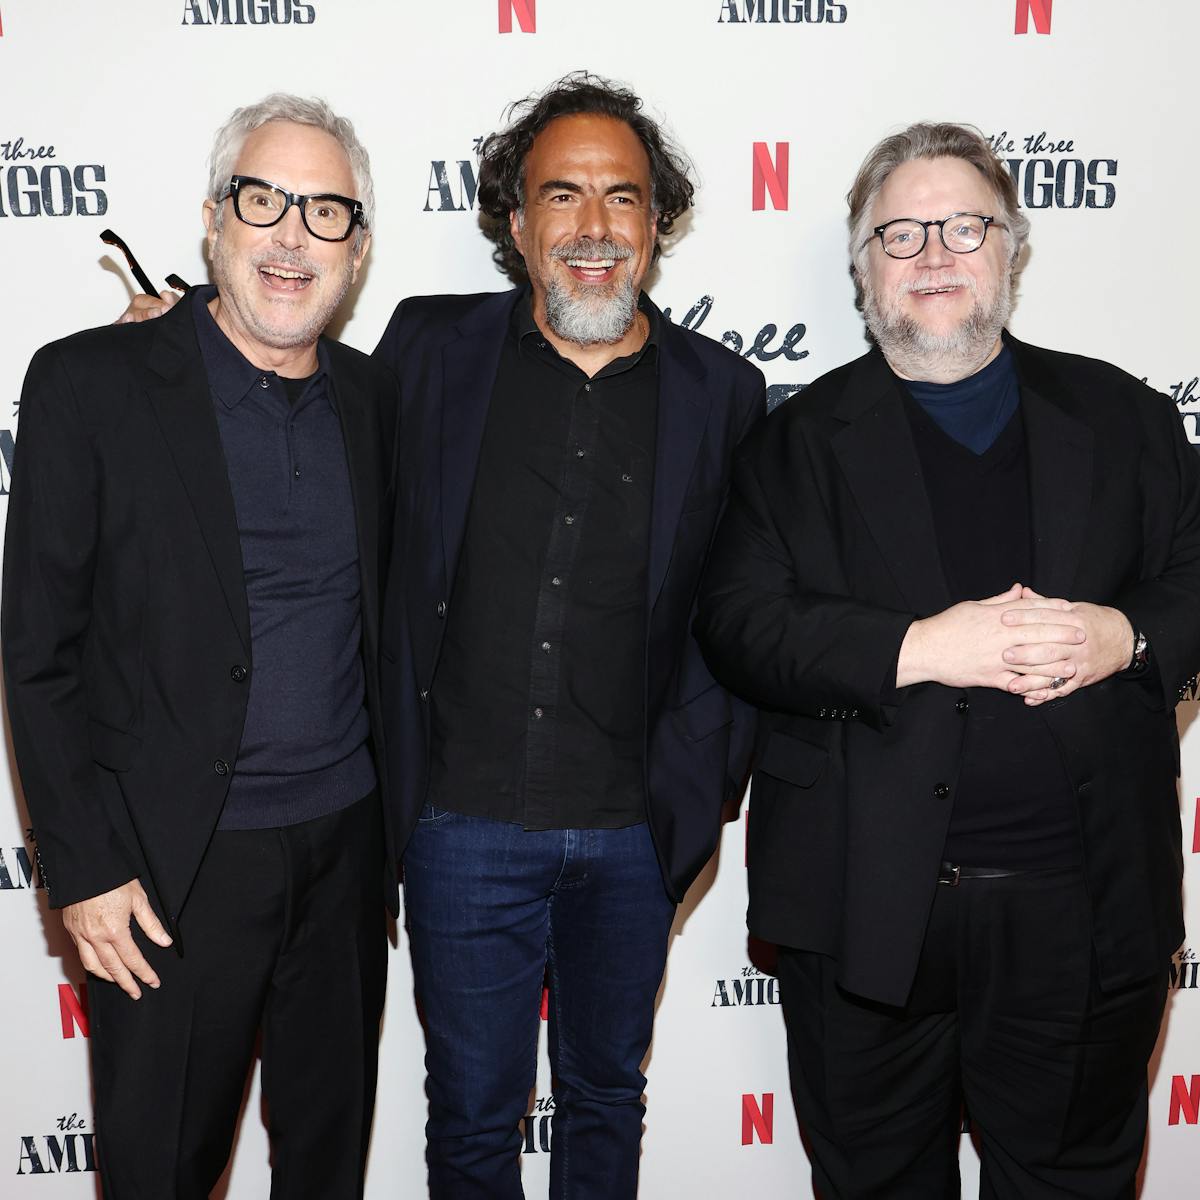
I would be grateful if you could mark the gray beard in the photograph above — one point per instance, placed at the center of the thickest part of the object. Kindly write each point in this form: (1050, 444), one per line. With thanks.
(915, 353)
(589, 321)
(225, 269)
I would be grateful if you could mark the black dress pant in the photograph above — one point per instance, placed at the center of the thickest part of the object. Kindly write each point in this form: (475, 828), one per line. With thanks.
(1005, 1016)
(284, 932)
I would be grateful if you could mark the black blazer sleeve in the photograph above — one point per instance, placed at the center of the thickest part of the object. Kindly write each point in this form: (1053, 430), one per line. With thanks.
(50, 555)
(771, 632)
(1164, 605)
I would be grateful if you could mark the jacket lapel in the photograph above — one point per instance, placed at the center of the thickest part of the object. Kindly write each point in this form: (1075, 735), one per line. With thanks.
(683, 408)
(470, 361)
(1060, 474)
(363, 454)
(177, 389)
(879, 460)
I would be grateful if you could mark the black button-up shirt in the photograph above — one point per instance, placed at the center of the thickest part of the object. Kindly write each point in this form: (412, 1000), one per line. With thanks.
(304, 749)
(538, 702)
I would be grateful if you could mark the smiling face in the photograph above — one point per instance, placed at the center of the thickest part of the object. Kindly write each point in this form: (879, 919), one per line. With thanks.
(587, 228)
(279, 286)
(938, 316)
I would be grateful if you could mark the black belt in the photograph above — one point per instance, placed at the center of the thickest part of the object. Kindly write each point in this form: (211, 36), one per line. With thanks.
(951, 873)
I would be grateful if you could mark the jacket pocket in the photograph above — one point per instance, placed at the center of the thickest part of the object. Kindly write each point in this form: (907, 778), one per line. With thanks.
(112, 748)
(792, 760)
(704, 714)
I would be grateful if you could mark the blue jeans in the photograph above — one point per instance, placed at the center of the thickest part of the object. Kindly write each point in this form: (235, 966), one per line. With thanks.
(490, 907)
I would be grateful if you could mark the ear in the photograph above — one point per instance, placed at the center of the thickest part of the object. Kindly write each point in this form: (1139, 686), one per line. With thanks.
(514, 227)
(359, 255)
(208, 214)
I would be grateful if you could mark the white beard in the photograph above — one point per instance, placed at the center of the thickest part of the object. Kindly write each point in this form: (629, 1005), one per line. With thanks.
(915, 353)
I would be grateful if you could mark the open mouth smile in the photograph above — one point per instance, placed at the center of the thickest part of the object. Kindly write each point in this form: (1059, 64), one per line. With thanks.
(283, 279)
(592, 270)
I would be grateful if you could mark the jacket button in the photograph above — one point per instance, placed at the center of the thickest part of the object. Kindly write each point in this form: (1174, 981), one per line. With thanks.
(962, 705)
(237, 673)
(221, 767)
(441, 608)
(941, 791)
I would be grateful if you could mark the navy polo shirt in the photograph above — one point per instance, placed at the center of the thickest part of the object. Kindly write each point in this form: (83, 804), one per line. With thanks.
(304, 749)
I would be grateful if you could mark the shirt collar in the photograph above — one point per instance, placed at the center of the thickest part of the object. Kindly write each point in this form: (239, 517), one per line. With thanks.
(230, 374)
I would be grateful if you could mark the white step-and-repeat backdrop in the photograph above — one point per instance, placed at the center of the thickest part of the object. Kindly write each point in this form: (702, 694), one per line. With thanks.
(107, 108)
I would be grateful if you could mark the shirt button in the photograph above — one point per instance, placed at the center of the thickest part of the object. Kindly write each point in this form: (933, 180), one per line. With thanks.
(221, 767)
(538, 714)
(296, 472)
(555, 581)
(568, 519)
(962, 706)
(626, 478)
(579, 452)
(264, 382)
(587, 387)
(546, 647)
(441, 608)
(237, 673)
(941, 791)
(424, 693)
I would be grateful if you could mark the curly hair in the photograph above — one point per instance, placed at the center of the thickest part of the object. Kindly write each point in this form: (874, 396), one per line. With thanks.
(502, 158)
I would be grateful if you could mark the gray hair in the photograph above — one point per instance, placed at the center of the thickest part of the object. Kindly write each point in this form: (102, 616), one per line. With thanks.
(929, 140)
(282, 106)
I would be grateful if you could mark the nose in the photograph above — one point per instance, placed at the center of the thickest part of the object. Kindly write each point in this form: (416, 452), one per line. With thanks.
(934, 254)
(593, 219)
(290, 232)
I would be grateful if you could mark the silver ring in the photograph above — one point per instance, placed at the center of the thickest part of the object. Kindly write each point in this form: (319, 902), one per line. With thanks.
(1057, 682)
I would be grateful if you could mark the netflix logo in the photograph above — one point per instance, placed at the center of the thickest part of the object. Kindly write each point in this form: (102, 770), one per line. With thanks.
(518, 14)
(769, 176)
(758, 1118)
(73, 1010)
(1035, 11)
(1184, 1104)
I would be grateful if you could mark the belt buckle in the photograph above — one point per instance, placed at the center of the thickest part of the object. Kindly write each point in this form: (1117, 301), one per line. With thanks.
(949, 874)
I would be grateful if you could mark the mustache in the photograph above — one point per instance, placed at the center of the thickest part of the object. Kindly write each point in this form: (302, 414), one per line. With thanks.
(925, 282)
(290, 260)
(590, 248)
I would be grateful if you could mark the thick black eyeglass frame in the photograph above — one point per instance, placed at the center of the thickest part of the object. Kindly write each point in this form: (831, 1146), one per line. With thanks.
(877, 232)
(357, 216)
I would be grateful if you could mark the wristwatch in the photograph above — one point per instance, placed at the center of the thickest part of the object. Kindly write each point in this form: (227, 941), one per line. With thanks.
(1141, 652)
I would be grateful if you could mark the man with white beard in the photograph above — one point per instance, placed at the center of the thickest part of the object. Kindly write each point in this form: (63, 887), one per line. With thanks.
(558, 748)
(200, 507)
(958, 577)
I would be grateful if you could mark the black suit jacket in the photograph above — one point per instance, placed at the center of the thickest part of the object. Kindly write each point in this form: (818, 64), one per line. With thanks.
(124, 606)
(826, 555)
(446, 350)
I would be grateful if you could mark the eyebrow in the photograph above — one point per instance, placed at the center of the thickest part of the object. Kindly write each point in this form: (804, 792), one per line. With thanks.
(565, 185)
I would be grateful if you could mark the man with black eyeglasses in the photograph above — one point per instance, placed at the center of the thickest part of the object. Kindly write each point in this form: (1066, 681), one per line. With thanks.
(959, 578)
(191, 615)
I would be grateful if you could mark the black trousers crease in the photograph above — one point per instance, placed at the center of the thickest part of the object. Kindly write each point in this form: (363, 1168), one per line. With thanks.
(284, 935)
(1006, 1017)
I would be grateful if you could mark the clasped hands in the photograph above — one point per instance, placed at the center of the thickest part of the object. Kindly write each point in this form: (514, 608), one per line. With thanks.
(1018, 642)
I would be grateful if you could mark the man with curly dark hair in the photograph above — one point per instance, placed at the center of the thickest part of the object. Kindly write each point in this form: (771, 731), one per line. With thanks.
(561, 752)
